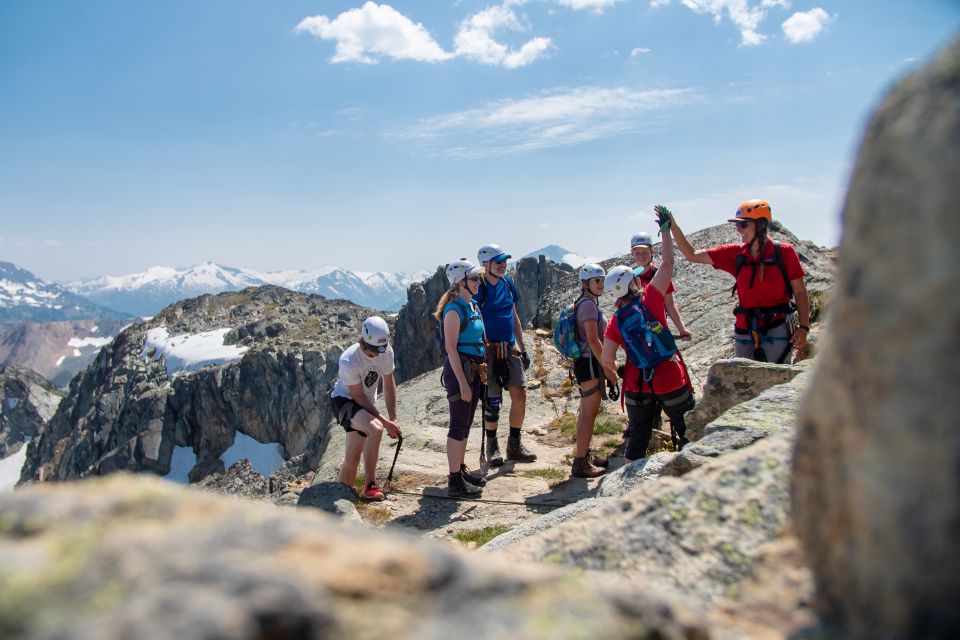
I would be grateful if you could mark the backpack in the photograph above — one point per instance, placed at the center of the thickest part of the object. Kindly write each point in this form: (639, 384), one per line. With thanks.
(439, 341)
(483, 290)
(645, 340)
(565, 333)
(777, 259)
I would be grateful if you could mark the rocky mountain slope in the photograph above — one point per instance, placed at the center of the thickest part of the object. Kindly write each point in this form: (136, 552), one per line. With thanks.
(206, 375)
(146, 293)
(26, 298)
(702, 292)
(56, 350)
(27, 402)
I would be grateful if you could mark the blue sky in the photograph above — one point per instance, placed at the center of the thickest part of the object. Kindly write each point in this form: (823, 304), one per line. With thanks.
(397, 136)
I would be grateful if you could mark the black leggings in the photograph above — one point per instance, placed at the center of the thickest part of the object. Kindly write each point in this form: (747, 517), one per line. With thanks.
(642, 410)
(461, 413)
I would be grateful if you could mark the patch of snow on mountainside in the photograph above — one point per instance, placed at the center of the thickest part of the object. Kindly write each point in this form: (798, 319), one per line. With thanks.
(188, 352)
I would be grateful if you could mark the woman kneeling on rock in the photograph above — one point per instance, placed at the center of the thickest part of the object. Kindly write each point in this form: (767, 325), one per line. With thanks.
(463, 370)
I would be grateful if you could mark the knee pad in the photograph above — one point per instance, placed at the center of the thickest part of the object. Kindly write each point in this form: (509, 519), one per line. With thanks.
(491, 408)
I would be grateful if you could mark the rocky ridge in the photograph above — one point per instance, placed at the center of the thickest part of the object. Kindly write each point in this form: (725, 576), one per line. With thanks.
(56, 350)
(130, 411)
(27, 402)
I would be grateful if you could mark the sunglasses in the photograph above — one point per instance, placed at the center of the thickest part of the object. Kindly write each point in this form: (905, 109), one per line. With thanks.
(742, 224)
(595, 281)
(372, 348)
(474, 279)
(498, 261)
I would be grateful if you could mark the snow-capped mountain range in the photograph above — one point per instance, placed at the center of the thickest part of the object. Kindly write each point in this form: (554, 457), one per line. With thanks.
(26, 298)
(147, 292)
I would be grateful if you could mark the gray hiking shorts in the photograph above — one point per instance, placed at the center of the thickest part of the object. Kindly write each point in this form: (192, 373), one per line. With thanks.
(516, 377)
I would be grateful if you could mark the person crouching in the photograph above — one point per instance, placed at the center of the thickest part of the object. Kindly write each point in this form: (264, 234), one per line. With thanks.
(362, 366)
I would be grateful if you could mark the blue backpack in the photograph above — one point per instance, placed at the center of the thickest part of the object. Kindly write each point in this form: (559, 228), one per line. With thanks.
(645, 340)
(565, 333)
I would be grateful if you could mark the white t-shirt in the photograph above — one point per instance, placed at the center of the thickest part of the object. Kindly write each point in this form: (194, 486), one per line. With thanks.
(356, 367)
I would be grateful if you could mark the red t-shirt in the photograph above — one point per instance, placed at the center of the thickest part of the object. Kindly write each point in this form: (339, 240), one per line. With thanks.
(668, 375)
(768, 291)
(647, 276)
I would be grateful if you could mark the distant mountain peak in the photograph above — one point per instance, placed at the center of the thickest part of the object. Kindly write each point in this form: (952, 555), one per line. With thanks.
(561, 255)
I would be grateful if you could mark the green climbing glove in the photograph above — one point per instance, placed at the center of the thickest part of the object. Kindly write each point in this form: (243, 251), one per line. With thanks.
(663, 218)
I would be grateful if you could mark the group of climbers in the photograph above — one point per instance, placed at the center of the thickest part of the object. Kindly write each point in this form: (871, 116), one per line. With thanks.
(482, 342)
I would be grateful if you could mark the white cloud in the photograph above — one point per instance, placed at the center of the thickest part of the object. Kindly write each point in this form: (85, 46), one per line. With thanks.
(374, 31)
(352, 113)
(475, 39)
(805, 26)
(597, 6)
(558, 118)
(746, 15)
(51, 243)
(639, 51)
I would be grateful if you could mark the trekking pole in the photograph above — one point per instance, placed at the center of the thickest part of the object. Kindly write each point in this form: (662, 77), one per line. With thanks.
(483, 427)
(396, 454)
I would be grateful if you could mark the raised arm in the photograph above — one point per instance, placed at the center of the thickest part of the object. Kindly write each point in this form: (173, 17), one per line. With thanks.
(686, 249)
(665, 272)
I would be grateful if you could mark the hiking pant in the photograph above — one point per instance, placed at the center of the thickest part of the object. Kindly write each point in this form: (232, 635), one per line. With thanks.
(774, 343)
(461, 413)
(644, 408)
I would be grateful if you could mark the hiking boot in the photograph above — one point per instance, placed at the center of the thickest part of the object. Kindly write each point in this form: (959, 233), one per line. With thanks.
(619, 451)
(457, 487)
(516, 451)
(373, 492)
(583, 469)
(597, 461)
(494, 457)
(475, 479)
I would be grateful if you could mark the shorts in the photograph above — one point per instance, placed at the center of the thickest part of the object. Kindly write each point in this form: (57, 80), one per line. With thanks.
(775, 345)
(343, 411)
(515, 378)
(586, 369)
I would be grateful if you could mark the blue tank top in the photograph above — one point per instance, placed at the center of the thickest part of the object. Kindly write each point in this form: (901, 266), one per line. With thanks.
(470, 341)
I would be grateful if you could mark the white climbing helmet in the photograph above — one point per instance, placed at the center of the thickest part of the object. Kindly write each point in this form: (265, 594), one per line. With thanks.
(589, 271)
(375, 333)
(618, 281)
(493, 252)
(460, 269)
(641, 238)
